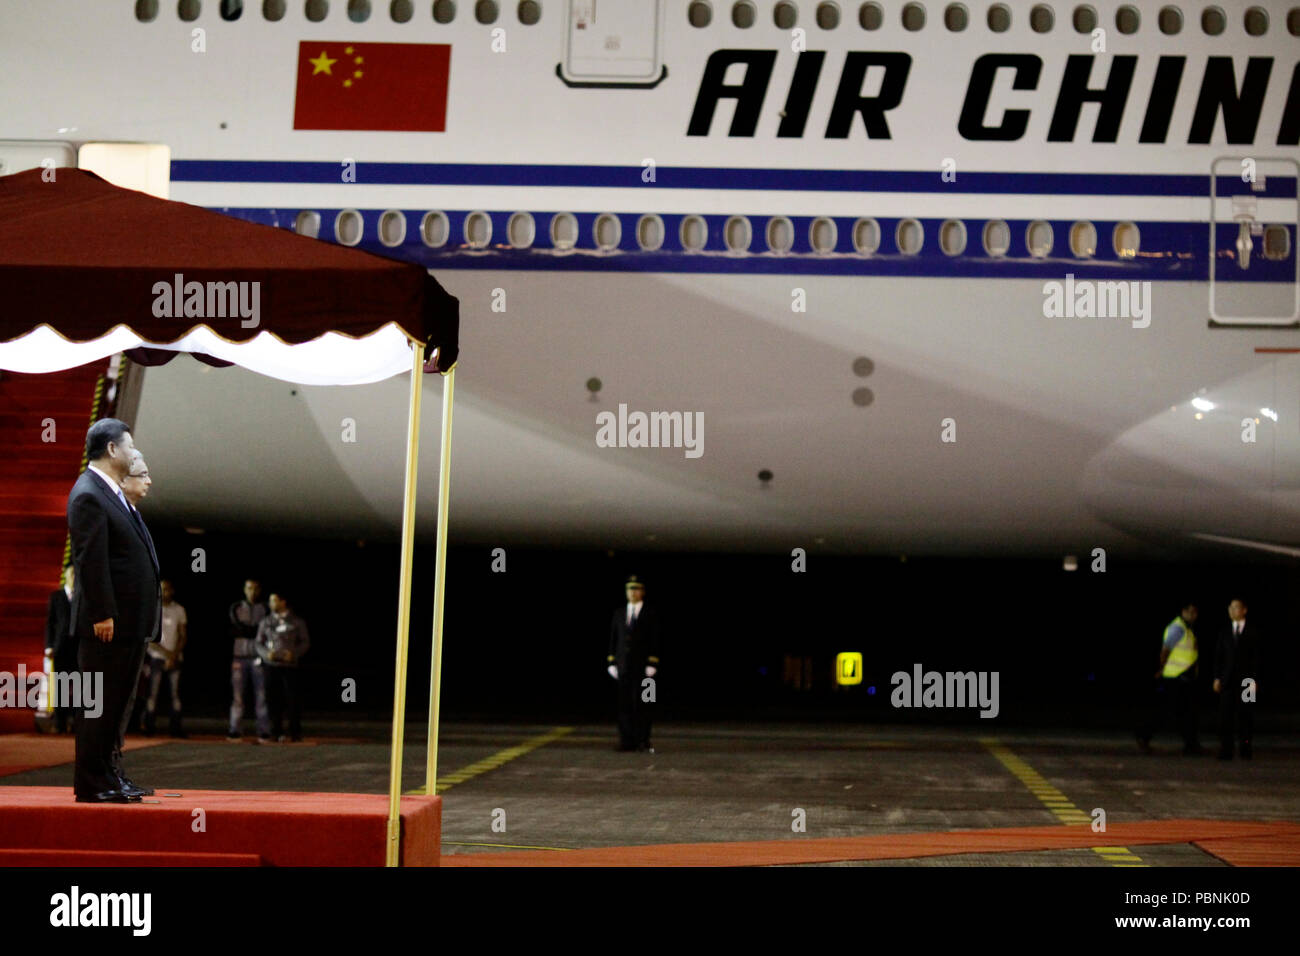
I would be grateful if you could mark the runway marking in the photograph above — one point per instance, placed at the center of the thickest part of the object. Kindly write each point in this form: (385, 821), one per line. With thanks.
(1057, 802)
(509, 846)
(495, 760)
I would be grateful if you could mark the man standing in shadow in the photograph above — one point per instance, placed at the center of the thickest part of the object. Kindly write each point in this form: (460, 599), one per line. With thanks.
(116, 607)
(633, 661)
(1236, 663)
(61, 645)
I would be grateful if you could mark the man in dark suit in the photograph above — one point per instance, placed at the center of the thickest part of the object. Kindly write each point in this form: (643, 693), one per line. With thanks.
(116, 606)
(1236, 666)
(634, 656)
(60, 644)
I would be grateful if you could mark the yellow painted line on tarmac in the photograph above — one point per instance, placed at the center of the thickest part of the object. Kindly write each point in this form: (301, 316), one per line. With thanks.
(509, 846)
(1056, 802)
(496, 760)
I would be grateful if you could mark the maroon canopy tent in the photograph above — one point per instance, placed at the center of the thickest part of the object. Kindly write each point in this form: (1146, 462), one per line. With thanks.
(88, 269)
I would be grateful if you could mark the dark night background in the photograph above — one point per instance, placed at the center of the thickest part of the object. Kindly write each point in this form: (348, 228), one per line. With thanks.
(1072, 648)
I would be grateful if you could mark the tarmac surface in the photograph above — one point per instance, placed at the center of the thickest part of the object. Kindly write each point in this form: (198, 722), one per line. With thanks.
(511, 787)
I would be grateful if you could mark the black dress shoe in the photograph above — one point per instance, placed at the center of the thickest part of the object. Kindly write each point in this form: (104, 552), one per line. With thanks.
(135, 790)
(108, 796)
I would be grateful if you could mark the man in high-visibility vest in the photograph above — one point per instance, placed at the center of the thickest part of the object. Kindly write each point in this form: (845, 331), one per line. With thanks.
(1178, 688)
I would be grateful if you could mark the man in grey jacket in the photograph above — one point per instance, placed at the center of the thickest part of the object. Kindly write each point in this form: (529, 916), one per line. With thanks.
(282, 640)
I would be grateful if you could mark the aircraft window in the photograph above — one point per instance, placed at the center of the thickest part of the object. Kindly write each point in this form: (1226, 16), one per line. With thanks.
(564, 230)
(348, 227)
(478, 229)
(607, 232)
(1039, 239)
(146, 10)
(870, 16)
(828, 15)
(273, 10)
(1170, 21)
(486, 11)
(1127, 19)
(317, 10)
(1277, 242)
(1256, 21)
(952, 237)
(434, 229)
(785, 15)
(530, 12)
(910, 237)
(866, 236)
(521, 230)
(1127, 240)
(862, 397)
(1042, 19)
(738, 234)
(307, 224)
(743, 14)
(956, 17)
(392, 228)
(401, 11)
(1083, 240)
(914, 17)
(699, 13)
(863, 366)
(1213, 21)
(780, 235)
(999, 18)
(188, 10)
(997, 238)
(444, 11)
(694, 233)
(650, 233)
(1293, 21)
(1085, 19)
(822, 235)
(231, 9)
(358, 10)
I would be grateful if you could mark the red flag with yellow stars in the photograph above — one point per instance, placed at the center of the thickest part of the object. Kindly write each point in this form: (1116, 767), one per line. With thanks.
(372, 86)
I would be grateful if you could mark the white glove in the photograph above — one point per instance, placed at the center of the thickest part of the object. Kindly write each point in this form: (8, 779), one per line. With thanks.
(650, 671)
(613, 671)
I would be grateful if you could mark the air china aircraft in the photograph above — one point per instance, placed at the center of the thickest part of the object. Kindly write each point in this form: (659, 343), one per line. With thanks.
(864, 277)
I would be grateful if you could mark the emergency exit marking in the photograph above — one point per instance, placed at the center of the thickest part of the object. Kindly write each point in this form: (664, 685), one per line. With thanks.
(848, 668)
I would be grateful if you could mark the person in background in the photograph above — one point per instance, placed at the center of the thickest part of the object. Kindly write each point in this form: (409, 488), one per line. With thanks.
(136, 487)
(1236, 665)
(165, 659)
(282, 640)
(60, 644)
(1177, 677)
(633, 657)
(245, 617)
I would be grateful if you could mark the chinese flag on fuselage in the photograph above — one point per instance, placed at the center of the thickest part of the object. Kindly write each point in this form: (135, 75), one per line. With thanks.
(372, 86)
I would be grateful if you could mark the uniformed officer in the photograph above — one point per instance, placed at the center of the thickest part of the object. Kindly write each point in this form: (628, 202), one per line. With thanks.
(1177, 676)
(634, 636)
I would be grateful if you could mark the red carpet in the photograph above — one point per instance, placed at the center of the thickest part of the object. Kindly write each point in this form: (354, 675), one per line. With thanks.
(1241, 843)
(19, 752)
(35, 478)
(44, 824)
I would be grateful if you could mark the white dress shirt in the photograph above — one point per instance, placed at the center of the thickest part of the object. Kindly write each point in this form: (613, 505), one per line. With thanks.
(114, 486)
(633, 611)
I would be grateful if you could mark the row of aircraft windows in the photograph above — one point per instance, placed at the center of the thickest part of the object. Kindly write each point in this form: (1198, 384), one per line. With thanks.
(529, 12)
(738, 234)
(957, 17)
(785, 15)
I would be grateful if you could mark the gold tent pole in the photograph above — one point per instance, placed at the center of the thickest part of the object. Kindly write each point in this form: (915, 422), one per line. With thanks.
(392, 856)
(440, 574)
